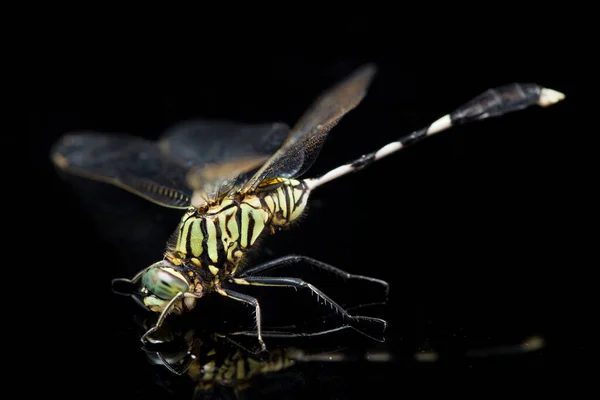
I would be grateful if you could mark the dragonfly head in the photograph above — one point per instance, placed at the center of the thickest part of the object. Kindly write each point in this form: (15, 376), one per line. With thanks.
(163, 281)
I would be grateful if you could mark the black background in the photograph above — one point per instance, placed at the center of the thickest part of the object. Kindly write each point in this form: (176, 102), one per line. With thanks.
(468, 226)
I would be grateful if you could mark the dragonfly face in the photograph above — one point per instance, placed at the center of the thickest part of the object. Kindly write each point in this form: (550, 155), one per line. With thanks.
(163, 281)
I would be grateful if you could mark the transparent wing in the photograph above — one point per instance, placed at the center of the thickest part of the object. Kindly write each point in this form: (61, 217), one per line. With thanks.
(306, 139)
(221, 155)
(131, 163)
(191, 156)
(198, 143)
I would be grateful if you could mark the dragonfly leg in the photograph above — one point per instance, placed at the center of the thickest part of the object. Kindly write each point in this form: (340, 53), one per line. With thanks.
(253, 302)
(358, 323)
(294, 259)
(161, 319)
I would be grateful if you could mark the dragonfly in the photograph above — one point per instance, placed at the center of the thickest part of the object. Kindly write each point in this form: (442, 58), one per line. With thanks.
(238, 183)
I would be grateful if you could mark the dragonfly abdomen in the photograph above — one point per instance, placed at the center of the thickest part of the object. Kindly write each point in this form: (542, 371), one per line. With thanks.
(284, 198)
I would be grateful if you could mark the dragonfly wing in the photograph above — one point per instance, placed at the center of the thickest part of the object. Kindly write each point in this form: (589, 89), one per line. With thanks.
(306, 139)
(125, 161)
(198, 143)
(210, 156)
(221, 155)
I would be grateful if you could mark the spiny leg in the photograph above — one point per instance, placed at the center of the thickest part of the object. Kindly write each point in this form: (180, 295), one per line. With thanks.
(249, 300)
(294, 259)
(491, 103)
(277, 329)
(297, 283)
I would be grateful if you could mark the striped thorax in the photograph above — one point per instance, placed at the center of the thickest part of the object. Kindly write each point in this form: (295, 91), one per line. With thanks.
(216, 238)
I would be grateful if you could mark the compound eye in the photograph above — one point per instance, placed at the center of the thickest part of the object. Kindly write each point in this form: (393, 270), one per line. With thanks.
(163, 283)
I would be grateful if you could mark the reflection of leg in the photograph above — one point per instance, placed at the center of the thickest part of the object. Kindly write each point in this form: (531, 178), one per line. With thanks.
(249, 300)
(294, 259)
(281, 334)
(297, 283)
(162, 316)
(349, 310)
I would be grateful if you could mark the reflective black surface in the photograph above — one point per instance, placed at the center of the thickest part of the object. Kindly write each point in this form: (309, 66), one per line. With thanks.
(462, 226)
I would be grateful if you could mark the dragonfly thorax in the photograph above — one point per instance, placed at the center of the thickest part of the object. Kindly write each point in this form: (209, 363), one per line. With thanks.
(215, 239)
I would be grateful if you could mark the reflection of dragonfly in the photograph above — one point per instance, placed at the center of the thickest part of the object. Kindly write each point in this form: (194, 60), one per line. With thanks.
(221, 364)
(237, 183)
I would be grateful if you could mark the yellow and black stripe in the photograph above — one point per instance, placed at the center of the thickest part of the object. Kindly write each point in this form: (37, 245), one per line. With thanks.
(285, 199)
(239, 367)
(217, 239)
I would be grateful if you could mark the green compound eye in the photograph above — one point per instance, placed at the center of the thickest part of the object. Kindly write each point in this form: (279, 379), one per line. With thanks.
(163, 284)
